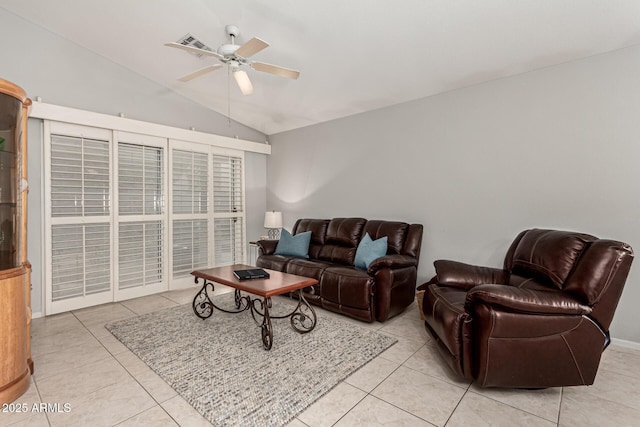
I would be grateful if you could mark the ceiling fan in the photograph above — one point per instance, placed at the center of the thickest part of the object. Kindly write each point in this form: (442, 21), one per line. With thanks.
(236, 58)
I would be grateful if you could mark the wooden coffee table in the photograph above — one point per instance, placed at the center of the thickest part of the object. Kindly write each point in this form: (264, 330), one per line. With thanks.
(303, 317)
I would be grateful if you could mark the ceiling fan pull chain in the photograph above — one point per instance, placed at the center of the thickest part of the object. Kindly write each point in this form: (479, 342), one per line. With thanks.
(229, 94)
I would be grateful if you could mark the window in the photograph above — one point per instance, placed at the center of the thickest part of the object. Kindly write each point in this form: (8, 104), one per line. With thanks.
(134, 214)
(79, 177)
(79, 205)
(140, 179)
(229, 241)
(141, 223)
(80, 260)
(140, 257)
(190, 201)
(228, 205)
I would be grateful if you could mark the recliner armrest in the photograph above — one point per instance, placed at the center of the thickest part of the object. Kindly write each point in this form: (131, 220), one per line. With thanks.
(391, 261)
(267, 247)
(466, 276)
(526, 300)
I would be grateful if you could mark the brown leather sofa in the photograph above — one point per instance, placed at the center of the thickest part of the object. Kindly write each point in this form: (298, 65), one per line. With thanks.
(384, 290)
(541, 321)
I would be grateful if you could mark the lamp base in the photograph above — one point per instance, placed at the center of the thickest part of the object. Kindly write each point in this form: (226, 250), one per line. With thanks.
(274, 234)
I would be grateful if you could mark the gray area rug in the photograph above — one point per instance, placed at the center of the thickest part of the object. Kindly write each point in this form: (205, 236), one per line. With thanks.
(219, 366)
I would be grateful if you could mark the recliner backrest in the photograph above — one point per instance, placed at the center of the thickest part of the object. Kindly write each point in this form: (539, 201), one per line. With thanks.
(591, 269)
(341, 241)
(318, 228)
(395, 232)
(547, 255)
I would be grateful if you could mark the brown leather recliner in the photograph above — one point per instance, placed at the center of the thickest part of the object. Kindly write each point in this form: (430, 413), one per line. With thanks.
(541, 321)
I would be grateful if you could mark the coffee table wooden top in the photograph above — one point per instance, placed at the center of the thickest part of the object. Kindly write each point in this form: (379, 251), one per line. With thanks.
(278, 283)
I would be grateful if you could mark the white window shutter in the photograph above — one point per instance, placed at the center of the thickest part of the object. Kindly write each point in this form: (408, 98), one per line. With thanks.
(227, 184)
(190, 205)
(80, 260)
(80, 209)
(80, 177)
(228, 205)
(229, 241)
(189, 182)
(190, 246)
(140, 254)
(140, 195)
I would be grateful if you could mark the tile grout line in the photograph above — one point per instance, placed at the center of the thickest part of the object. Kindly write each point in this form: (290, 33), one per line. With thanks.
(560, 406)
(128, 372)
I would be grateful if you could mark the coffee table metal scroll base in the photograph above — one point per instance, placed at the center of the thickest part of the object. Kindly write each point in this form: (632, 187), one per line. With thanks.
(303, 317)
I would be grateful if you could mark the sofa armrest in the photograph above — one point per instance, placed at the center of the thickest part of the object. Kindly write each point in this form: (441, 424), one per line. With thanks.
(391, 261)
(267, 247)
(466, 276)
(526, 300)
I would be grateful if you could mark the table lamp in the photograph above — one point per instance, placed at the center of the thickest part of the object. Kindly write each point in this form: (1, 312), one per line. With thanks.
(273, 223)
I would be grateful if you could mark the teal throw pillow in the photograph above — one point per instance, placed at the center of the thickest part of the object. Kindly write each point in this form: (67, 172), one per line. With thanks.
(368, 250)
(297, 246)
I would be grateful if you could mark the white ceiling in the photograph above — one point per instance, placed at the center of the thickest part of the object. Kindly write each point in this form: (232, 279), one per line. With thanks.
(353, 55)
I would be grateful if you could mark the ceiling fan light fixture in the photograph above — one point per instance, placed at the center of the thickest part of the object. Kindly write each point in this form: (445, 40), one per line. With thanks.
(243, 81)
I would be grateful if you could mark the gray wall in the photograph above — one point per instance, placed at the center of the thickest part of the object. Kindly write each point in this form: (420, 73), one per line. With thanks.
(63, 73)
(554, 148)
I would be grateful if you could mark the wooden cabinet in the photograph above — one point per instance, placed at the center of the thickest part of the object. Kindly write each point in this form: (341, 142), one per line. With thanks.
(16, 365)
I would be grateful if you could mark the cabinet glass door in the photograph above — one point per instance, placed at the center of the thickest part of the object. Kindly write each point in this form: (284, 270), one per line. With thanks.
(10, 133)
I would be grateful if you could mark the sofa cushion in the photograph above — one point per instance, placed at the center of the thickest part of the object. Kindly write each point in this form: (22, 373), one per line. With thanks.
(347, 286)
(297, 246)
(318, 228)
(343, 235)
(345, 231)
(396, 233)
(368, 250)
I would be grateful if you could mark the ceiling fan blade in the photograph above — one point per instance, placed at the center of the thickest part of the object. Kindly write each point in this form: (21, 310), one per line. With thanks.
(194, 50)
(274, 69)
(199, 72)
(251, 47)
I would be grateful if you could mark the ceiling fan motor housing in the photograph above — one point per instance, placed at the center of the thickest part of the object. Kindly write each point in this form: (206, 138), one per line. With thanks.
(228, 50)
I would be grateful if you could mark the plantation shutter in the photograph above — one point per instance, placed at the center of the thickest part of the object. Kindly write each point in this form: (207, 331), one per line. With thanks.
(190, 182)
(189, 246)
(140, 204)
(227, 184)
(140, 254)
(190, 208)
(229, 241)
(80, 210)
(140, 210)
(228, 205)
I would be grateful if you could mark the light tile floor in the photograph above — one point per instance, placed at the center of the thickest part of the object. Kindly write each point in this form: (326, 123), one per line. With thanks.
(80, 363)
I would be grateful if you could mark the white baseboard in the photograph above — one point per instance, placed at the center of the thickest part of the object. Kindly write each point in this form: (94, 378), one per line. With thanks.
(36, 315)
(624, 343)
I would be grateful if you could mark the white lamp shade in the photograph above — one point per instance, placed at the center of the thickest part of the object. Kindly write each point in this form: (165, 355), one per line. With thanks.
(273, 219)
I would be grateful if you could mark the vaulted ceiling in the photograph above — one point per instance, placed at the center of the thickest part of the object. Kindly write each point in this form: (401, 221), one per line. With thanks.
(353, 56)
